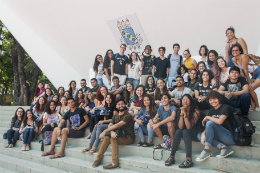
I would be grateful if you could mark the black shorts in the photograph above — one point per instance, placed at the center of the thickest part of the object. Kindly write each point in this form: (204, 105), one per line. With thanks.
(164, 130)
(76, 133)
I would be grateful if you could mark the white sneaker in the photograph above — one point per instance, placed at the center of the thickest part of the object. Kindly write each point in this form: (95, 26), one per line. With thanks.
(257, 109)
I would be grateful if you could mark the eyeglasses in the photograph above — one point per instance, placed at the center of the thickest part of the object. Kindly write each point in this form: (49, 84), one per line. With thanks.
(150, 79)
(110, 53)
(201, 66)
(123, 47)
(235, 50)
(20, 111)
(121, 104)
(185, 100)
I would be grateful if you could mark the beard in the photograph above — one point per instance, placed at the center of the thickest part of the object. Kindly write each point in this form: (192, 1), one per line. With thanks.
(122, 109)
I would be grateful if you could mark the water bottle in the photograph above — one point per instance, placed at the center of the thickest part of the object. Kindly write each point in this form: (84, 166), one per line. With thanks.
(236, 134)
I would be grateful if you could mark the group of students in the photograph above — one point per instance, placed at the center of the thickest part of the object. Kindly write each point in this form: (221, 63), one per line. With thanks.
(168, 101)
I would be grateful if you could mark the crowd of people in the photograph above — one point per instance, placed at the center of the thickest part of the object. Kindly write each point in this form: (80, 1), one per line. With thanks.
(155, 96)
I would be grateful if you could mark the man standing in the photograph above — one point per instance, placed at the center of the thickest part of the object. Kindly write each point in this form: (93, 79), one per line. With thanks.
(179, 91)
(84, 87)
(161, 66)
(176, 61)
(147, 64)
(119, 65)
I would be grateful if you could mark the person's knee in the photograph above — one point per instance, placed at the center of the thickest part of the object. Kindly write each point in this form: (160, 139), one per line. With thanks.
(210, 124)
(185, 132)
(170, 125)
(245, 96)
(65, 131)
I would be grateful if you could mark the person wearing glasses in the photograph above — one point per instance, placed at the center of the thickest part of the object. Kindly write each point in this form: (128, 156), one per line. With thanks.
(189, 62)
(248, 66)
(161, 66)
(84, 87)
(98, 69)
(134, 69)
(119, 65)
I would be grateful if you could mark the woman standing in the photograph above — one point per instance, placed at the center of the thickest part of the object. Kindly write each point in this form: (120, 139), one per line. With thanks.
(203, 53)
(134, 69)
(107, 69)
(73, 90)
(13, 132)
(188, 128)
(98, 69)
(28, 129)
(189, 62)
(230, 33)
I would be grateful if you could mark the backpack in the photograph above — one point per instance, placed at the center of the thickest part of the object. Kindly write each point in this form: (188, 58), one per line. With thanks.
(254, 58)
(117, 56)
(169, 57)
(243, 129)
(46, 139)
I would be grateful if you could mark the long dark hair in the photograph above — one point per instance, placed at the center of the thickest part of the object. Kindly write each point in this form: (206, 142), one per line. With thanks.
(152, 106)
(157, 90)
(25, 118)
(70, 95)
(146, 83)
(127, 93)
(113, 100)
(46, 93)
(58, 102)
(139, 86)
(47, 107)
(130, 61)
(179, 69)
(96, 62)
(77, 99)
(216, 69)
(38, 89)
(197, 73)
(206, 50)
(216, 55)
(59, 89)
(37, 106)
(70, 88)
(210, 76)
(15, 115)
(107, 59)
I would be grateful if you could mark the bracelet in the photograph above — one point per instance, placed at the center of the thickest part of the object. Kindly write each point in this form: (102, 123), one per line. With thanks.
(182, 116)
(186, 117)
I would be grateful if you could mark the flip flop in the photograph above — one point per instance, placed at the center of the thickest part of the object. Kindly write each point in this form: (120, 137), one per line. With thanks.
(84, 150)
(146, 144)
(91, 151)
(47, 154)
(55, 156)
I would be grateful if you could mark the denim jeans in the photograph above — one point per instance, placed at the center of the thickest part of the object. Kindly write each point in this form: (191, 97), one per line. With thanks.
(134, 81)
(105, 81)
(145, 130)
(217, 135)
(244, 102)
(12, 136)
(98, 129)
(100, 81)
(28, 135)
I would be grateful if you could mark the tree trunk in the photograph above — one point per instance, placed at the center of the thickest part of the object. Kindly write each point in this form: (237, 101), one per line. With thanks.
(33, 84)
(16, 83)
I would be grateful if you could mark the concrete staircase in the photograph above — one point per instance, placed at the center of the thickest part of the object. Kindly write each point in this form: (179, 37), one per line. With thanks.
(132, 158)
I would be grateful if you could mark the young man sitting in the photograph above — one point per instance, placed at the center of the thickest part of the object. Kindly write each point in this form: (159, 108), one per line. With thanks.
(235, 91)
(123, 121)
(117, 90)
(166, 114)
(94, 84)
(179, 91)
(78, 119)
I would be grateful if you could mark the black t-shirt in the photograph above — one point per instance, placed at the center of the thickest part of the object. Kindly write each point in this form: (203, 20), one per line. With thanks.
(149, 89)
(94, 90)
(108, 66)
(119, 63)
(161, 67)
(108, 113)
(235, 87)
(85, 90)
(76, 118)
(223, 110)
(192, 86)
(203, 90)
(148, 65)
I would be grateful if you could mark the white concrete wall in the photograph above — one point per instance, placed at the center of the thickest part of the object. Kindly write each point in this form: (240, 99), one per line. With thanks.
(70, 33)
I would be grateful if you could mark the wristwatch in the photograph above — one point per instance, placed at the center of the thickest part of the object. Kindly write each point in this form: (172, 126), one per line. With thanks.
(182, 116)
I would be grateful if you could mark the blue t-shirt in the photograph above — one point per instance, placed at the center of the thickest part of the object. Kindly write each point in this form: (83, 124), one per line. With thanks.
(144, 112)
(91, 105)
(165, 114)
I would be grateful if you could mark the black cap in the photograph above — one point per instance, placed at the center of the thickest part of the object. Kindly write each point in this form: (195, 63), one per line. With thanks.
(148, 46)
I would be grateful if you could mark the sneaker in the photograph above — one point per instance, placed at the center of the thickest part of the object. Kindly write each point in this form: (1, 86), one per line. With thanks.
(252, 109)
(257, 109)
(96, 163)
(205, 154)
(226, 151)
(110, 166)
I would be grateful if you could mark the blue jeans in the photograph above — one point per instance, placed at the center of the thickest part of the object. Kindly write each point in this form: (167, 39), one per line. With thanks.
(28, 136)
(100, 81)
(145, 130)
(257, 74)
(165, 80)
(243, 102)
(12, 136)
(134, 81)
(217, 135)
(31, 108)
(98, 129)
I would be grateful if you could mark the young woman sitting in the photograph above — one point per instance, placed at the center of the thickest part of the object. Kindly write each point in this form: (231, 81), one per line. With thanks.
(38, 109)
(183, 71)
(102, 124)
(13, 132)
(129, 92)
(79, 100)
(188, 120)
(29, 128)
(161, 88)
(61, 91)
(150, 86)
(149, 110)
(218, 128)
(61, 110)
(67, 94)
(48, 94)
(56, 99)
(221, 70)
(193, 80)
(49, 117)
(137, 100)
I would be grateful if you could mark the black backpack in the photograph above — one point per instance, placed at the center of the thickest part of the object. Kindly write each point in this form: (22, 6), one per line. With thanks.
(169, 57)
(243, 129)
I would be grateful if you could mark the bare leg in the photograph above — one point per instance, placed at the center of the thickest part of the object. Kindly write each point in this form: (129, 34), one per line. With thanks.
(252, 93)
(159, 133)
(171, 130)
(64, 136)
(53, 141)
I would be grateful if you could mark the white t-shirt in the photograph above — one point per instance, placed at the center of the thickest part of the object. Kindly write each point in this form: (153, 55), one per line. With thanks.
(185, 76)
(133, 72)
(100, 67)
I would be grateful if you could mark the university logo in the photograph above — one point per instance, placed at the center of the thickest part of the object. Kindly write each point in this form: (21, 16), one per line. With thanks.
(129, 37)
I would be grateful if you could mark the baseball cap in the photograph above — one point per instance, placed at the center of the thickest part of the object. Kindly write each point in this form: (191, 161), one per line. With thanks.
(148, 46)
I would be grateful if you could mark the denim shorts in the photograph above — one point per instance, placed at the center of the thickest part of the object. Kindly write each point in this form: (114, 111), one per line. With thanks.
(257, 74)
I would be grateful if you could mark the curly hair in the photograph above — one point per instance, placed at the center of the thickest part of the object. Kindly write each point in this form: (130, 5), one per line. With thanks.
(236, 45)
(38, 107)
(99, 96)
(206, 50)
(179, 69)
(48, 109)
(230, 29)
(200, 62)
(197, 73)
(96, 63)
(216, 55)
(214, 95)
(210, 76)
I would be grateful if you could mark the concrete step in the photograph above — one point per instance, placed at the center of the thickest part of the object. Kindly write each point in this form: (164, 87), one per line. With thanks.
(13, 108)
(5, 123)
(3, 170)
(66, 164)
(146, 154)
(257, 125)
(25, 166)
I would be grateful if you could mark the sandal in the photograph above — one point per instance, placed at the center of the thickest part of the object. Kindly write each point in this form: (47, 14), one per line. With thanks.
(47, 154)
(140, 144)
(158, 146)
(146, 144)
(84, 150)
(186, 164)
(56, 156)
(169, 161)
(6, 146)
(110, 166)
(92, 151)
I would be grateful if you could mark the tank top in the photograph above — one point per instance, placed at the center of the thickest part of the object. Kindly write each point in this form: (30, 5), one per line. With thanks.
(188, 64)
(62, 112)
(230, 63)
(250, 68)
